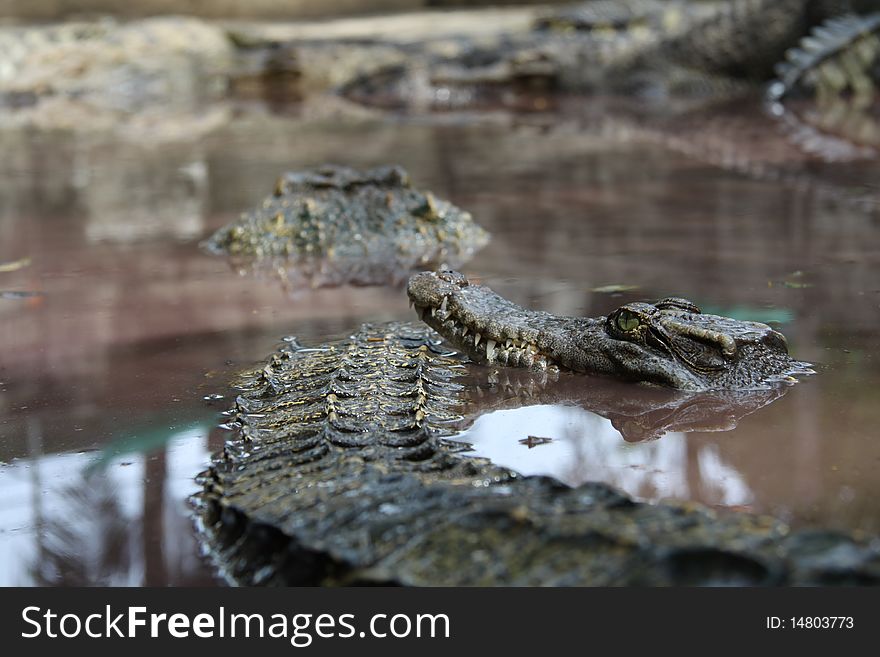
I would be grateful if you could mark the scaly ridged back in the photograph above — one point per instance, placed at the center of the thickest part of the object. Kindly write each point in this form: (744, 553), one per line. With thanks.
(841, 55)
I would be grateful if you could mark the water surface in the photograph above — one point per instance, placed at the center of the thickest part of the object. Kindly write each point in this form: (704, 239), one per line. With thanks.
(111, 365)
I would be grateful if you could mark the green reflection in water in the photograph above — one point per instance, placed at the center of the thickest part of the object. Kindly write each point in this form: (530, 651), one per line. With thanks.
(151, 437)
(750, 314)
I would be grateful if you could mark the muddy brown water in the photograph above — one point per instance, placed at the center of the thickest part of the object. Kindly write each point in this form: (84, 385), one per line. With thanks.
(113, 366)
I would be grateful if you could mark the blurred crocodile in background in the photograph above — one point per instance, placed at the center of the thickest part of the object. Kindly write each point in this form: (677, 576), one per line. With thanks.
(841, 58)
(335, 225)
(73, 74)
(345, 470)
(629, 44)
(655, 49)
(678, 55)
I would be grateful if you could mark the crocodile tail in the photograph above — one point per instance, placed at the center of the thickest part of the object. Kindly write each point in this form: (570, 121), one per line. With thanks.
(841, 57)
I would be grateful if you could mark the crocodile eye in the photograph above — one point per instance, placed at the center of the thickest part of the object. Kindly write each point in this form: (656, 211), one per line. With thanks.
(627, 321)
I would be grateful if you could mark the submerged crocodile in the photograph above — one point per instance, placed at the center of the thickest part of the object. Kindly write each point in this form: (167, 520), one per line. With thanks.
(669, 342)
(338, 225)
(345, 470)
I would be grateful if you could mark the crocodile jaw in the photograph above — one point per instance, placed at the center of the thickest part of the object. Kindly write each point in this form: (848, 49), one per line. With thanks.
(482, 347)
(438, 304)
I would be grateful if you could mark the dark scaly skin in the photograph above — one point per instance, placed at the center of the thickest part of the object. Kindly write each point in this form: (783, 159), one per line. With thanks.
(647, 47)
(740, 40)
(705, 52)
(841, 59)
(670, 343)
(343, 473)
(682, 45)
(337, 225)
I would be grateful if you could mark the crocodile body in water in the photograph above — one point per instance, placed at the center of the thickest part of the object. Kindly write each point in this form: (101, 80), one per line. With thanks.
(651, 47)
(670, 342)
(823, 60)
(338, 225)
(345, 471)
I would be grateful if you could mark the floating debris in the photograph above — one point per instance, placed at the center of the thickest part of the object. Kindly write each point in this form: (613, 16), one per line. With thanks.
(614, 289)
(534, 441)
(19, 294)
(14, 265)
(794, 280)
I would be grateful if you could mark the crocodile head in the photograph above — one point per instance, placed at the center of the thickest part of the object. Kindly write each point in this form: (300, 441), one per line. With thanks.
(669, 342)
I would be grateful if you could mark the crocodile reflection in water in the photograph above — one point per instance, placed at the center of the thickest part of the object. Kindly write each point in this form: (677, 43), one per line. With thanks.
(670, 342)
(579, 429)
(586, 447)
(637, 413)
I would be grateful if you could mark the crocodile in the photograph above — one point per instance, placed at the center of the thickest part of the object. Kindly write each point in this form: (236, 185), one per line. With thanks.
(693, 57)
(335, 225)
(827, 87)
(829, 47)
(839, 58)
(817, 60)
(346, 469)
(647, 47)
(669, 342)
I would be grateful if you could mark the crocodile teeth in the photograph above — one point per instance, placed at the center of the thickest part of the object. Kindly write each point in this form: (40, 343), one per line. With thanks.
(508, 344)
(477, 337)
(443, 305)
(490, 350)
(422, 312)
(464, 331)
